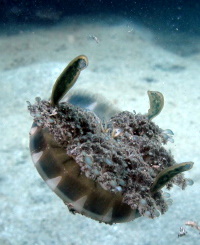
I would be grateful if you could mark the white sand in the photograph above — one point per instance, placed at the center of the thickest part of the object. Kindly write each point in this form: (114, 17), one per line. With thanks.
(120, 65)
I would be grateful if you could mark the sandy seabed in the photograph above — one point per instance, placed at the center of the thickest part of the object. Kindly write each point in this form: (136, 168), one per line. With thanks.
(126, 62)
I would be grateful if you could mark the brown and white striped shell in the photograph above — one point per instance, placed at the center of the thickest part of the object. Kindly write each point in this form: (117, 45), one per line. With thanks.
(85, 192)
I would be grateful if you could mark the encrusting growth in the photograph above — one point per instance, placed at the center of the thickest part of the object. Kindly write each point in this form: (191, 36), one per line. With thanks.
(123, 158)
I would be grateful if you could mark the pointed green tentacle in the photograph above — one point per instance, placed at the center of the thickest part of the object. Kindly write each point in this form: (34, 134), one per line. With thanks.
(67, 78)
(167, 174)
(156, 100)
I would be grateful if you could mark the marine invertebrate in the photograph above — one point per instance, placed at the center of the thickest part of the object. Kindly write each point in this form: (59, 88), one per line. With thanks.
(112, 171)
(182, 232)
(193, 225)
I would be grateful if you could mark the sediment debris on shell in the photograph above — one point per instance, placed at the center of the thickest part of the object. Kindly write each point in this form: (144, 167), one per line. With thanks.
(124, 155)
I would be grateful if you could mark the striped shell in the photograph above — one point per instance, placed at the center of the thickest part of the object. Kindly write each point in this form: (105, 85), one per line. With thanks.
(64, 175)
(81, 194)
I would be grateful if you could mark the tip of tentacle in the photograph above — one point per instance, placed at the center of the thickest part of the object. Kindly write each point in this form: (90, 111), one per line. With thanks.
(68, 78)
(156, 100)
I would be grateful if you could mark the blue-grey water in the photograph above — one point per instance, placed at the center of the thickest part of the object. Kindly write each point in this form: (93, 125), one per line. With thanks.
(132, 47)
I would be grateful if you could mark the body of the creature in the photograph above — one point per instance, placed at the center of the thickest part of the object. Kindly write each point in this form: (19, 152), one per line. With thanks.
(105, 164)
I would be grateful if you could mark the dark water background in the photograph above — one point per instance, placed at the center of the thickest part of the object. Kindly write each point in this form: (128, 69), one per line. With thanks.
(169, 19)
(159, 15)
